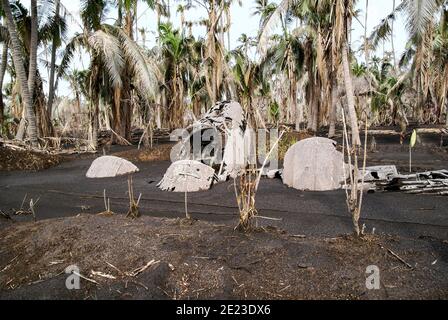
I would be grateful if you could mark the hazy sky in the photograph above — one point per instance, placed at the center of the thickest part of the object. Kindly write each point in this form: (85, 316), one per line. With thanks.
(243, 22)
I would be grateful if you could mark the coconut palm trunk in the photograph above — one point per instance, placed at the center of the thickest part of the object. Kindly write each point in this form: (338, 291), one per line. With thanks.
(21, 73)
(94, 104)
(333, 110)
(356, 141)
(32, 69)
(391, 34)
(3, 65)
(52, 87)
(33, 50)
(122, 106)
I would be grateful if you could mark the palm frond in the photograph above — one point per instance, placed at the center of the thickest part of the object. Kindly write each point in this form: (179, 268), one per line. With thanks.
(420, 13)
(68, 54)
(146, 71)
(92, 13)
(108, 48)
(54, 26)
(271, 24)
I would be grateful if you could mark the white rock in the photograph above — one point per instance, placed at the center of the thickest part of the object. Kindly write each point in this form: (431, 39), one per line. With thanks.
(109, 167)
(314, 164)
(187, 176)
(234, 158)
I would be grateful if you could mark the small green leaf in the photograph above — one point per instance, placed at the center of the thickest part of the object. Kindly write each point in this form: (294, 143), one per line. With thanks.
(413, 138)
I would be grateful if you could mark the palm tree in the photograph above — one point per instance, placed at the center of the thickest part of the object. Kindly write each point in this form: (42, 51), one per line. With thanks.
(386, 102)
(3, 65)
(122, 97)
(441, 59)
(56, 41)
(214, 55)
(33, 48)
(111, 50)
(174, 49)
(286, 57)
(44, 35)
(161, 9)
(32, 68)
(21, 73)
(264, 9)
(246, 75)
(78, 81)
(195, 75)
(325, 47)
(422, 24)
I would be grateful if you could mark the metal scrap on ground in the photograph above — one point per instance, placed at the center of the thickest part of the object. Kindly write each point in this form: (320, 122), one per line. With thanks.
(431, 182)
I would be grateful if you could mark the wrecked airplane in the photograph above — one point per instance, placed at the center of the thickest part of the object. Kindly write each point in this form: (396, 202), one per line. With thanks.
(431, 182)
(201, 148)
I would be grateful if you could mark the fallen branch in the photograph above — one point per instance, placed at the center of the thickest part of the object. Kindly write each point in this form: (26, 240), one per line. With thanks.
(397, 257)
(85, 278)
(137, 271)
(267, 218)
(101, 274)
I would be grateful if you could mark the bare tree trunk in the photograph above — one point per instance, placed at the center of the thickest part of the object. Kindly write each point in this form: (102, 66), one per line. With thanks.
(316, 107)
(52, 87)
(356, 141)
(122, 106)
(229, 23)
(32, 70)
(333, 110)
(95, 124)
(213, 79)
(43, 121)
(446, 110)
(298, 117)
(311, 111)
(4, 63)
(33, 50)
(21, 73)
(94, 103)
(391, 36)
(445, 98)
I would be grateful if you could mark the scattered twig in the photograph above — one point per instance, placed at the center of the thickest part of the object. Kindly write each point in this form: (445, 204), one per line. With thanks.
(5, 215)
(101, 274)
(52, 263)
(115, 268)
(397, 257)
(139, 270)
(268, 218)
(121, 139)
(140, 284)
(288, 286)
(85, 278)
